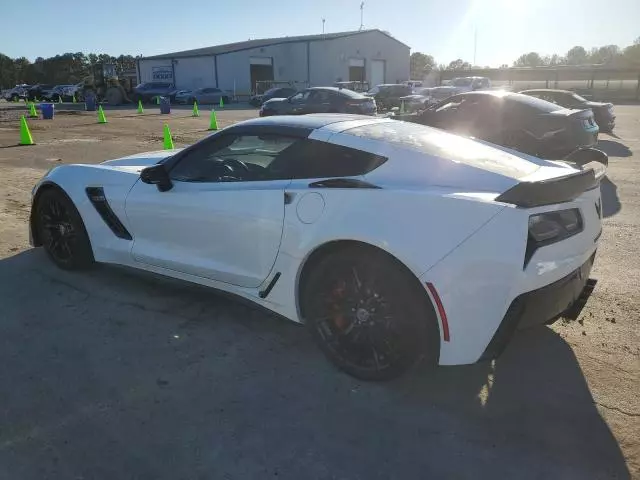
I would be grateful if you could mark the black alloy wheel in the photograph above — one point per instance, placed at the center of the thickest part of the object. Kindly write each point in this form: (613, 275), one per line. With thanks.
(368, 315)
(62, 232)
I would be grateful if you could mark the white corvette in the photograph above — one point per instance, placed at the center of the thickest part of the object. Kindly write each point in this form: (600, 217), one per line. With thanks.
(392, 241)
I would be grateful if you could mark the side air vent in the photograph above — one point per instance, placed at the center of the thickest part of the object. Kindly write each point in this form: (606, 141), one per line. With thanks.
(99, 201)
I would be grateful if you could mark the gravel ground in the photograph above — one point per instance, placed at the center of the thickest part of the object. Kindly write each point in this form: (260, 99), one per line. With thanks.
(116, 374)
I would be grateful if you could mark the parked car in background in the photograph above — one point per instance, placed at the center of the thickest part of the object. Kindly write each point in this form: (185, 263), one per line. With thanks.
(59, 93)
(388, 95)
(277, 92)
(201, 95)
(603, 112)
(147, 92)
(420, 99)
(320, 100)
(517, 121)
(470, 84)
(38, 91)
(19, 92)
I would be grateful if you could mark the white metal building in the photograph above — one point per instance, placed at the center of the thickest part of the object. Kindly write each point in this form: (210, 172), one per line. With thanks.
(372, 56)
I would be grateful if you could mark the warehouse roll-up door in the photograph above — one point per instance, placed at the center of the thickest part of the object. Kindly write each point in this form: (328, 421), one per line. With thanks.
(356, 70)
(377, 72)
(261, 70)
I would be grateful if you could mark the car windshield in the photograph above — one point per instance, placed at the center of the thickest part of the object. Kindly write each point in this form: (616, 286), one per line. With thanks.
(374, 90)
(579, 98)
(445, 145)
(461, 82)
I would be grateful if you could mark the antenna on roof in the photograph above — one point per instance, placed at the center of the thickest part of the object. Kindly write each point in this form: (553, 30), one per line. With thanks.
(361, 16)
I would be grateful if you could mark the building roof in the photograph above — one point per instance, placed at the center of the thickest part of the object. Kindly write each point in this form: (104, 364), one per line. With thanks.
(264, 42)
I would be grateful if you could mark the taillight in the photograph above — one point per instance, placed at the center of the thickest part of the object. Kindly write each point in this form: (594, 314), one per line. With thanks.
(551, 227)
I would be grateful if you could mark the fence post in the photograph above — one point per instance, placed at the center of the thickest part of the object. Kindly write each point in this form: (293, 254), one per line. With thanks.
(638, 88)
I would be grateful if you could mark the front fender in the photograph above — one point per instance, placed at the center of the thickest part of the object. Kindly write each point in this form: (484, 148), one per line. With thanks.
(73, 181)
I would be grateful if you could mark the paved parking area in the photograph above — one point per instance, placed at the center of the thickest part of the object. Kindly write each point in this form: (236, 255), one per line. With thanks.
(116, 374)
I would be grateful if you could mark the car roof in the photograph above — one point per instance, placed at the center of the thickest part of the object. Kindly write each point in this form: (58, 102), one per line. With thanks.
(490, 93)
(331, 89)
(549, 90)
(312, 121)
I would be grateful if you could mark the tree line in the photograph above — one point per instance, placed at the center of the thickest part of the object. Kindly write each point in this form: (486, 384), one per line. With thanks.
(67, 68)
(610, 55)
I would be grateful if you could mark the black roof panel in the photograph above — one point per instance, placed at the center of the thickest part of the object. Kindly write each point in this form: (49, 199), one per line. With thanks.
(312, 121)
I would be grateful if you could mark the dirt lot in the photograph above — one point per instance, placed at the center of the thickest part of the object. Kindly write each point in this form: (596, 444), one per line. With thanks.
(114, 374)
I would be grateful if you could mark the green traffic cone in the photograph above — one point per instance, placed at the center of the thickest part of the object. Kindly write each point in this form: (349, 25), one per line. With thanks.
(25, 134)
(168, 141)
(32, 110)
(59, 98)
(74, 98)
(213, 123)
(101, 116)
(140, 109)
(196, 112)
(221, 103)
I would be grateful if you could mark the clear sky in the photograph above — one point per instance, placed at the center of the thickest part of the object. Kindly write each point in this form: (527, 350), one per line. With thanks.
(443, 28)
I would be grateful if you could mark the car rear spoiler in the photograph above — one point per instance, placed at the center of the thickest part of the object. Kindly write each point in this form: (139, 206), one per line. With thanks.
(554, 190)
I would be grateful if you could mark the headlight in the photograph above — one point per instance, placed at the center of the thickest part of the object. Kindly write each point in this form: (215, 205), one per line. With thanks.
(551, 227)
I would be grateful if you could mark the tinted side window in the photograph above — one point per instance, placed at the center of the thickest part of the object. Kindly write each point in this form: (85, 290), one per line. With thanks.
(235, 158)
(315, 159)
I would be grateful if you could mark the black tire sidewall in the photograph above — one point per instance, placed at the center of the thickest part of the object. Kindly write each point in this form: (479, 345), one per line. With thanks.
(407, 289)
(82, 258)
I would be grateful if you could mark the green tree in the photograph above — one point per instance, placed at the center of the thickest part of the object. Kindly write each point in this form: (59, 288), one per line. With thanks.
(458, 64)
(608, 54)
(577, 56)
(531, 59)
(421, 64)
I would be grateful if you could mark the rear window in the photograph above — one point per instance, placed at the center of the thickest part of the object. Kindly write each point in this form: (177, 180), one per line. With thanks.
(351, 94)
(535, 103)
(445, 145)
(316, 159)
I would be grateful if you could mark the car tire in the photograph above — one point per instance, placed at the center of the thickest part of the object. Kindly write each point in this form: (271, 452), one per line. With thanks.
(368, 314)
(62, 232)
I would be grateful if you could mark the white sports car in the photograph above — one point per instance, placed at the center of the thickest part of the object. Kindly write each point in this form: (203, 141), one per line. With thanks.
(392, 241)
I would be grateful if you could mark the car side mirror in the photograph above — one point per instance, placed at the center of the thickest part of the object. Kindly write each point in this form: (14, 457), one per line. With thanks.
(157, 175)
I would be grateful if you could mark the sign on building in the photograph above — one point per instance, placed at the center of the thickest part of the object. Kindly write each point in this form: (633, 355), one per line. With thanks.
(162, 74)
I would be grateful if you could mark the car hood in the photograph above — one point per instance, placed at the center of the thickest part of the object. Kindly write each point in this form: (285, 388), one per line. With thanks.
(138, 161)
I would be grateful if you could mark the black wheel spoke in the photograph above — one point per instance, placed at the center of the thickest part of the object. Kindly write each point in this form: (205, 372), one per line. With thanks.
(59, 233)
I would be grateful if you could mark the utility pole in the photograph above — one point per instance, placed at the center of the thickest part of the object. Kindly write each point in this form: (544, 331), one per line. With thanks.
(323, 20)
(475, 45)
(362, 16)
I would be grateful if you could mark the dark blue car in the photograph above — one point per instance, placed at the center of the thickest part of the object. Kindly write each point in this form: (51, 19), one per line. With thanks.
(149, 91)
(320, 100)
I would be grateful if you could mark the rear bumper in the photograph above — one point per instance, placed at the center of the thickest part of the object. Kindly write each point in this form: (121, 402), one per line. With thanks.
(538, 307)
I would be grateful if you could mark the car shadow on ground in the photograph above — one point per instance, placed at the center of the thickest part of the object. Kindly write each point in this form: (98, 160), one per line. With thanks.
(114, 374)
(614, 149)
(610, 200)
